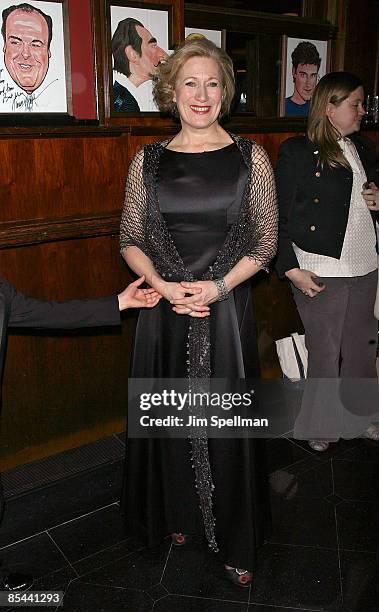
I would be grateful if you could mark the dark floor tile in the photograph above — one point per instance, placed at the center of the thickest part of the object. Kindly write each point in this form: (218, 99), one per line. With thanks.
(334, 499)
(303, 521)
(38, 556)
(309, 463)
(364, 450)
(360, 581)
(298, 568)
(192, 570)
(282, 453)
(283, 484)
(122, 437)
(316, 481)
(180, 603)
(84, 597)
(258, 608)
(336, 449)
(50, 506)
(142, 569)
(357, 480)
(357, 524)
(27, 607)
(298, 577)
(91, 533)
(57, 580)
(107, 556)
(157, 592)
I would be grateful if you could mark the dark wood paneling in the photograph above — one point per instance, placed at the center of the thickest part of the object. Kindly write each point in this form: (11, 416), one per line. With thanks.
(236, 20)
(21, 233)
(362, 41)
(60, 177)
(57, 385)
(65, 193)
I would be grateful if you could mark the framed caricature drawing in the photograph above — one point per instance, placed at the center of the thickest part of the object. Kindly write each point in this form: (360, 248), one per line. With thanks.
(303, 63)
(139, 38)
(35, 58)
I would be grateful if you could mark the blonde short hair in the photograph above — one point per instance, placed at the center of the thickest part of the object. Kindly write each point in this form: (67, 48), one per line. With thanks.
(168, 73)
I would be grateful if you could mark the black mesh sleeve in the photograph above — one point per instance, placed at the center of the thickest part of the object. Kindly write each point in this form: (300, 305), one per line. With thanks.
(133, 217)
(263, 208)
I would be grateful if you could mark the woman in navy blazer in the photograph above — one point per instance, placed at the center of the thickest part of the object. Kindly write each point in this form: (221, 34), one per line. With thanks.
(328, 196)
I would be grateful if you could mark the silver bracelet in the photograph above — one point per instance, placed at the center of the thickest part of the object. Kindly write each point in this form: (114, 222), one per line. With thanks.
(223, 291)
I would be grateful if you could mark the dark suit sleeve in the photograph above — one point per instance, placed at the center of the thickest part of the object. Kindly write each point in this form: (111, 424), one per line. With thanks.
(27, 311)
(286, 189)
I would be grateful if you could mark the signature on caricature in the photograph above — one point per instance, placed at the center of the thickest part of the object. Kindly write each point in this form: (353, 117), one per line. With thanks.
(19, 99)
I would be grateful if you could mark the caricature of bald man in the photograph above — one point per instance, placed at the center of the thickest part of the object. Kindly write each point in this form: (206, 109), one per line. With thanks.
(27, 33)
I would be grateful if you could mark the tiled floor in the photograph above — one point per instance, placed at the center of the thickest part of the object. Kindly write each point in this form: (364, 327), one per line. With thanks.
(323, 553)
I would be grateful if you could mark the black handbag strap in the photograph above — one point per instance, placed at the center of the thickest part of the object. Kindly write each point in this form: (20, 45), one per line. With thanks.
(299, 362)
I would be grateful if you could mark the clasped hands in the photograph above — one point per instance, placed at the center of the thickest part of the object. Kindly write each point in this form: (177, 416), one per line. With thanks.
(190, 298)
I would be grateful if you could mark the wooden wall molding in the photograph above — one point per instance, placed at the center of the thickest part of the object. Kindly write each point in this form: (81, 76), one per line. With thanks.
(38, 231)
(72, 131)
(234, 20)
(239, 124)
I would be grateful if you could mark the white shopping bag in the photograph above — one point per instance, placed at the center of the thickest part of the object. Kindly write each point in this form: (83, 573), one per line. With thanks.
(293, 356)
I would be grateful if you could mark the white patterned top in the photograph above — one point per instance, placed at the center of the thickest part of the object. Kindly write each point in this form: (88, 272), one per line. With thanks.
(358, 256)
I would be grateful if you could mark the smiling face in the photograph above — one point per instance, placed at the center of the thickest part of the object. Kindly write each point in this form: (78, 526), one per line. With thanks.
(305, 80)
(347, 116)
(26, 53)
(198, 92)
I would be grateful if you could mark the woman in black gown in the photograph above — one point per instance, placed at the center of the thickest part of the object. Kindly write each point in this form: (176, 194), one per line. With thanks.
(199, 220)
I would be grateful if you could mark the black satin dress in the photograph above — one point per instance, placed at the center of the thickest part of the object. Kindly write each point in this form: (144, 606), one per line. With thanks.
(199, 196)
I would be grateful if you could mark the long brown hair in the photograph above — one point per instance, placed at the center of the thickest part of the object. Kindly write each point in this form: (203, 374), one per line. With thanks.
(333, 88)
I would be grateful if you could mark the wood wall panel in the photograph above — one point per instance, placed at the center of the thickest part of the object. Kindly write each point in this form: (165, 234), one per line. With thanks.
(362, 42)
(58, 177)
(70, 385)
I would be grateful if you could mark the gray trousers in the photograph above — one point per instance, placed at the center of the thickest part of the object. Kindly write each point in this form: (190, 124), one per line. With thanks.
(341, 331)
(340, 397)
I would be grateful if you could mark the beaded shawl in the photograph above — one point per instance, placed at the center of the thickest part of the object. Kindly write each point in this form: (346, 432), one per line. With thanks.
(253, 235)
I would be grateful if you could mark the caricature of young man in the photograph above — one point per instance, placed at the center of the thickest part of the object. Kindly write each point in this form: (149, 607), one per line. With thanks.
(305, 66)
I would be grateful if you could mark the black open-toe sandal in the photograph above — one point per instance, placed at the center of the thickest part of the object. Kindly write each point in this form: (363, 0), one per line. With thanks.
(239, 577)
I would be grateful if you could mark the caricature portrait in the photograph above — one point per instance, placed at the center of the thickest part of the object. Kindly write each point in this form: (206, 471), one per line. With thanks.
(32, 67)
(139, 44)
(305, 65)
(213, 35)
